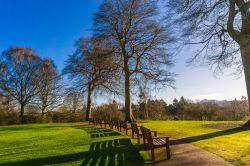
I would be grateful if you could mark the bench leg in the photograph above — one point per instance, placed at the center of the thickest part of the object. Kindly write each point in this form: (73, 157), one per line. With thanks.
(152, 153)
(168, 150)
(144, 142)
(138, 138)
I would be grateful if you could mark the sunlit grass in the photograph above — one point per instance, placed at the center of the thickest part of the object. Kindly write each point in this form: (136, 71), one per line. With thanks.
(77, 144)
(65, 144)
(231, 144)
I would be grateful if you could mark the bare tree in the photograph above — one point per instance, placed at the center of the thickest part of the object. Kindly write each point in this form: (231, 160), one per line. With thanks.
(220, 27)
(91, 68)
(143, 98)
(50, 94)
(139, 40)
(19, 76)
(73, 100)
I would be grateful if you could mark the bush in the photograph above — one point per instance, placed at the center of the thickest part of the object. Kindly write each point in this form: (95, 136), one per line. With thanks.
(60, 117)
(108, 111)
(13, 117)
(9, 117)
(31, 118)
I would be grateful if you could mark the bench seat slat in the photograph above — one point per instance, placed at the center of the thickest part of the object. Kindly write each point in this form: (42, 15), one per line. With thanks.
(159, 141)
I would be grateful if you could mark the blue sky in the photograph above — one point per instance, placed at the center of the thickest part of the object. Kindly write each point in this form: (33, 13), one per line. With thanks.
(52, 27)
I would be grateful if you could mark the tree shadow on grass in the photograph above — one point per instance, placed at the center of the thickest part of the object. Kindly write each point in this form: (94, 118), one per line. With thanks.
(210, 135)
(112, 152)
(96, 132)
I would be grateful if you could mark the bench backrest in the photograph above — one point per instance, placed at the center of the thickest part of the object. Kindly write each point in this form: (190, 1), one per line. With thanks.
(124, 124)
(146, 133)
(134, 127)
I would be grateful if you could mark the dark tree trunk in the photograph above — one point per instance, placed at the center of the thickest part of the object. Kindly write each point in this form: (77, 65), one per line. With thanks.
(43, 112)
(146, 109)
(245, 54)
(74, 109)
(89, 101)
(128, 110)
(22, 112)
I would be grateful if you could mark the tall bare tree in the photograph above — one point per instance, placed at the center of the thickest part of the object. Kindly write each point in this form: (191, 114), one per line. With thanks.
(91, 68)
(133, 29)
(73, 100)
(51, 87)
(19, 76)
(220, 27)
(143, 98)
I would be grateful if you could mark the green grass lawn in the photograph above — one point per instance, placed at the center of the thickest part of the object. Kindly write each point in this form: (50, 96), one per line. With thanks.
(78, 144)
(65, 144)
(231, 144)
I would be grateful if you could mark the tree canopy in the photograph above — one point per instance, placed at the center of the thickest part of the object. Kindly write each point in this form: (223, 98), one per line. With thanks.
(133, 29)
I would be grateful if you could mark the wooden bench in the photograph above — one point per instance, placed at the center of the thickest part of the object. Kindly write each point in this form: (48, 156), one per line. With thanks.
(92, 121)
(101, 122)
(110, 124)
(116, 124)
(97, 122)
(124, 126)
(105, 122)
(154, 141)
(136, 131)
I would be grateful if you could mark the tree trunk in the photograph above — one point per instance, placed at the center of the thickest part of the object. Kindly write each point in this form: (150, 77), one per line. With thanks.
(128, 110)
(22, 112)
(146, 109)
(245, 55)
(89, 101)
(43, 112)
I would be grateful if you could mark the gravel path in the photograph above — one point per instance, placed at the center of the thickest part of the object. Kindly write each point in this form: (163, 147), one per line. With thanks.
(184, 154)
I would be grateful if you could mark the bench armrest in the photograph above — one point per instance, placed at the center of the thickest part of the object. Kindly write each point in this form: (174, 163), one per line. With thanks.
(160, 137)
(155, 133)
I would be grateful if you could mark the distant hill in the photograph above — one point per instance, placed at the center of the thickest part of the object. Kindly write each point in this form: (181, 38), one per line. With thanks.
(220, 103)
